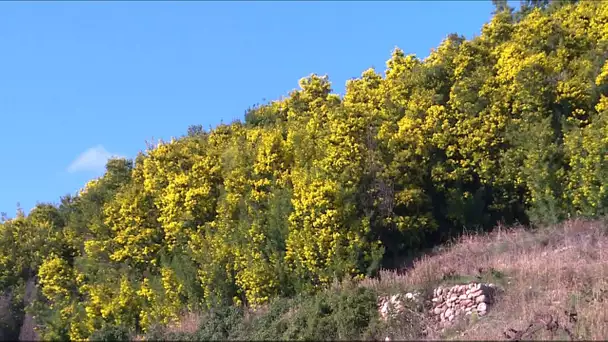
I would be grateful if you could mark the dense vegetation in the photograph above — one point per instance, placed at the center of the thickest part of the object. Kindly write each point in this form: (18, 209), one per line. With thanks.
(510, 126)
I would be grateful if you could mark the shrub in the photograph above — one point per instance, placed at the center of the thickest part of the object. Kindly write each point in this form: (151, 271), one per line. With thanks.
(225, 323)
(335, 314)
(111, 333)
(345, 313)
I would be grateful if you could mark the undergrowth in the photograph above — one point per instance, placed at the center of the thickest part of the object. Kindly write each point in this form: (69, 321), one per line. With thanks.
(561, 272)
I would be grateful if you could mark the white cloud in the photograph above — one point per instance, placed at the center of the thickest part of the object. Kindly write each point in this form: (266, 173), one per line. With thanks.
(92, 160)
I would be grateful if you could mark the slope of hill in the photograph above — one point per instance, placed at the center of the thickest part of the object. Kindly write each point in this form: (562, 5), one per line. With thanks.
(552, 284)
(559, 271)
(314, 189)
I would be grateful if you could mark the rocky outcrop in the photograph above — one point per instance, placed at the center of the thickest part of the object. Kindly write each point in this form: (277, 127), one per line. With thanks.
(447, 304)
(391, 306)
(461, 300)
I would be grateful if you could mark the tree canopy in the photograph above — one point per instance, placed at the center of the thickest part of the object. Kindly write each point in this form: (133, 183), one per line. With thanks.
(510, 126)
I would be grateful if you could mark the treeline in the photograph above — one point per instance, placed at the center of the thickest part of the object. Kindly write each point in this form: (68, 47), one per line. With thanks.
(511, 126)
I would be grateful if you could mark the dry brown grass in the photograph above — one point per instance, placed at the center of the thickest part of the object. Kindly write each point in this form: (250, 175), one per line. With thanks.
(188, 323)
(549, 271)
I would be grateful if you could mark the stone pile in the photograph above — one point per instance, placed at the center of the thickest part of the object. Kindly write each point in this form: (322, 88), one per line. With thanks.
(390, 306)
(459, 300)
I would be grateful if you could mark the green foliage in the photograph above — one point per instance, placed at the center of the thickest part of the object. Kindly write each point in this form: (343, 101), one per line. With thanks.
(111, 333)
(347, 313)
(333, 315)
(222, 324)
(507, 127)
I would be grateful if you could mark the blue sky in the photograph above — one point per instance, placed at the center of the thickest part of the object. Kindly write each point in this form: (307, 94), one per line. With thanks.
(80, 81)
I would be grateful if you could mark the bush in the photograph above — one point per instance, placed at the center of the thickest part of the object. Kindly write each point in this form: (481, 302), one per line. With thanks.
(336, 314)
(274, 321)
(226, 323)
(346, 313)
(111, 333)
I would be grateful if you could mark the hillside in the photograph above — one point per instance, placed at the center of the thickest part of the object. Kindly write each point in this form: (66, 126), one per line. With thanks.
(553, 274)
(315, 189)
(551, 284)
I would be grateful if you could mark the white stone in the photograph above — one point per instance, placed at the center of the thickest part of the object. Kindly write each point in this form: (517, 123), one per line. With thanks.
(476, 293)
(482, 307)
(409, 295)
(481, 299)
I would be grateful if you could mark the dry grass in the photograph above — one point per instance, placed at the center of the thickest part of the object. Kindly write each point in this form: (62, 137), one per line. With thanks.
(188, 323)
(549, 271)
